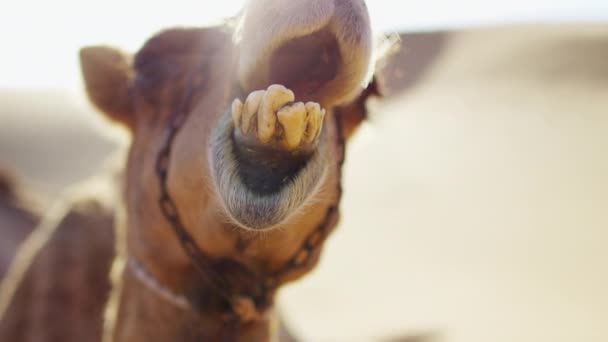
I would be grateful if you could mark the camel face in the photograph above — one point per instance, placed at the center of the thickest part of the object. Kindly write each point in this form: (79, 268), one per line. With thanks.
(259, 147)
(251, 150)
(232, 181)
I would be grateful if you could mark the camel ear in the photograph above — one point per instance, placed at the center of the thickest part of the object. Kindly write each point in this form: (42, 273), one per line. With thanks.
(108, 77)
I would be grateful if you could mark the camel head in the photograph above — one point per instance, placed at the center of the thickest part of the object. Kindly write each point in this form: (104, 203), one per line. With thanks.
(255, 165)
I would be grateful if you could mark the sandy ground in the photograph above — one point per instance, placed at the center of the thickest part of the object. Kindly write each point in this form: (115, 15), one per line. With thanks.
(475, 200)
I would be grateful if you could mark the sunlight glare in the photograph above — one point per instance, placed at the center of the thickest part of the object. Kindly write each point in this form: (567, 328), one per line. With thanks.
(40, 40)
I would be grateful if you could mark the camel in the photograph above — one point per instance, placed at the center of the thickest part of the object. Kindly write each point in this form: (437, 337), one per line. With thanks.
(474, 112)
(229, 188)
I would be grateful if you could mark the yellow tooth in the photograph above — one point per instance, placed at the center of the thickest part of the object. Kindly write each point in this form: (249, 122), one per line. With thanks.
(292, 118)
(276, 97)
(237, 111)
(250, 108)
(314, 121)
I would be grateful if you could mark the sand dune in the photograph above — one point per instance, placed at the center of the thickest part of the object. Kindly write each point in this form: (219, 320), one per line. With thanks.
(51, 136)
(475, 199)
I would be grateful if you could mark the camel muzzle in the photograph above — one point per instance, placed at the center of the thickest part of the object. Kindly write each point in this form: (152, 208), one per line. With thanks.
(321, 49)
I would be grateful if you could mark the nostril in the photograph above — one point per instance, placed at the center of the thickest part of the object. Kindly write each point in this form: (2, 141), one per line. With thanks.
(306, 63)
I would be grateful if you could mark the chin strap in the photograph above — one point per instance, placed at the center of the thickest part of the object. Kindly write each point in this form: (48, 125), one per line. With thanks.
(243, 307)
(144, 277)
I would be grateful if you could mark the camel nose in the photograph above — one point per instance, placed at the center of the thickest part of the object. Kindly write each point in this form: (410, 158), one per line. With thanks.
(268, 25)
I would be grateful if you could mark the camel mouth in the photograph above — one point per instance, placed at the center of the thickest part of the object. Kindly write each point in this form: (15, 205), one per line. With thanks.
(259, 188)
(266, 170)
(306, 64)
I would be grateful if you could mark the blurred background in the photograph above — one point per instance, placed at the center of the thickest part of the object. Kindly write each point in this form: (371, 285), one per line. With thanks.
(476, 196)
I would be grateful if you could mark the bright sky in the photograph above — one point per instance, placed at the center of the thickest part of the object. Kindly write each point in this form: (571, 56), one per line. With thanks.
(40, 39)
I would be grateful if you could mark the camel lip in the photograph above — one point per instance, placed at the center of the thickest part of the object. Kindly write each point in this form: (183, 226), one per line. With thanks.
(306, 64)
(251, 209)
(266, 170)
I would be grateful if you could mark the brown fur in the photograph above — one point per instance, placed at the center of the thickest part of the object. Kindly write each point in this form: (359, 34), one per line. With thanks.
(107, 77)
(65, 304)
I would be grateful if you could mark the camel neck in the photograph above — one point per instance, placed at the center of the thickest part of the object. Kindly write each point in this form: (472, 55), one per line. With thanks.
(148, 311)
